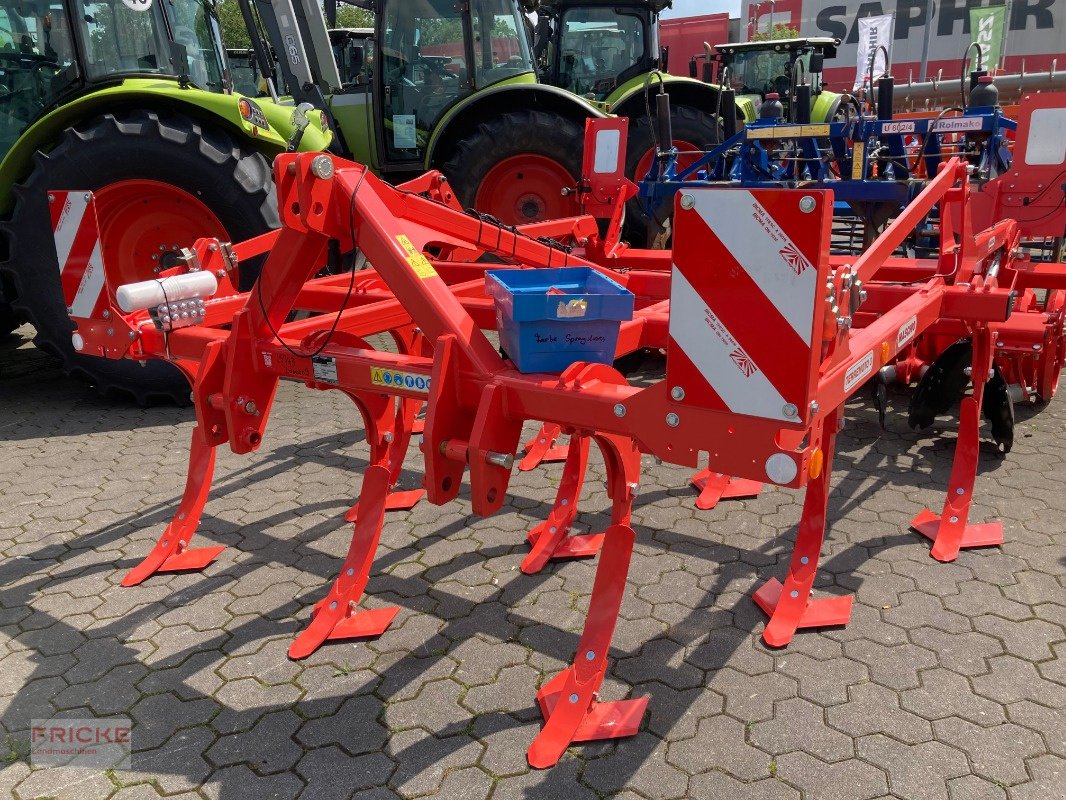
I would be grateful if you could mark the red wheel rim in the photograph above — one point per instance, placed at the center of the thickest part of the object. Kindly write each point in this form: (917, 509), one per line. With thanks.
(143, 224)
(527, 188)
(686, 158)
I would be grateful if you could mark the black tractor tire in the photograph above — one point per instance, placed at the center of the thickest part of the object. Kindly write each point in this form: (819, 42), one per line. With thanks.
(9, 320)
(232, 180)
(516, 133)
(689, 125)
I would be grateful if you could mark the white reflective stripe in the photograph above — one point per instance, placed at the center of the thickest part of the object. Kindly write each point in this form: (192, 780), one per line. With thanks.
(766, 253)
(92, 283)
(718, 356)
(67, 227)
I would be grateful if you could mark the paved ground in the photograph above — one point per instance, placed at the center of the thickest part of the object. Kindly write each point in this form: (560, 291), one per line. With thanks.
(948, 683)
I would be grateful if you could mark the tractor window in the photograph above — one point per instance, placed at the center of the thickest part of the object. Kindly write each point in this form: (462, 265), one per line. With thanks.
(36, 63)
(598, 48)
(755, 72)
(423, 70)
(501, 47)
(194, 24)
(124, 36)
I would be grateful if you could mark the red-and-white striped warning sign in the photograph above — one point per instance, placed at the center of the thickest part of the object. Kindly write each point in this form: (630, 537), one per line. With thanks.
(746, 299)
(77, 239)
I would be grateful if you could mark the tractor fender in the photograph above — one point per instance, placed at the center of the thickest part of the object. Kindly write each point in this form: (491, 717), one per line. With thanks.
(464, 117)
(158, 95)
(826, 106)
(628, 99)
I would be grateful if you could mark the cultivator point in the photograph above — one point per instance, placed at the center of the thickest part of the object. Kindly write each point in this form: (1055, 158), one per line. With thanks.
(766, 336)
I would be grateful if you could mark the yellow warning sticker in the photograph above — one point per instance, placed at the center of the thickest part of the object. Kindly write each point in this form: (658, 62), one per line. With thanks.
(857, 151)
(419, 263)
(398, 379)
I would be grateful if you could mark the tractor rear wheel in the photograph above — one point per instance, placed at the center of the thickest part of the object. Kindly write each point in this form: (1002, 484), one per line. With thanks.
(9, 320)
(161, 181)
(517, 166)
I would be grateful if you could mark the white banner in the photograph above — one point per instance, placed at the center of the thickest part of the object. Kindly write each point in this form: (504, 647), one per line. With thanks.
(874, 33)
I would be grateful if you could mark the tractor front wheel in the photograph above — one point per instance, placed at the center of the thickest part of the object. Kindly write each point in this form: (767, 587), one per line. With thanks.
(520, 167)
(161, 181)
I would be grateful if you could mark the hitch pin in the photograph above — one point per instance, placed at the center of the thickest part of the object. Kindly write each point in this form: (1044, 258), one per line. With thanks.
(459, 450)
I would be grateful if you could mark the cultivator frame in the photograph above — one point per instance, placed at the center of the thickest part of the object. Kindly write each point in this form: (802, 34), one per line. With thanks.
(727, 398)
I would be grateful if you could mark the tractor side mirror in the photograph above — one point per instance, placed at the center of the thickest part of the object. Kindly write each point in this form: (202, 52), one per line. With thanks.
(817, 62)
(179, 58)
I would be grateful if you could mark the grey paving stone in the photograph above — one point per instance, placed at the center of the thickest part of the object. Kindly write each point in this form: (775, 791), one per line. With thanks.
(719, 740)
(947, 694)
(179, 765)
(971, 787)
(558, 783)
(751, 698)
(422, 761)
(872, 708)
(974, 647)
(823, 682)
(268, 747)
(716, 785)
(895, 667)
(656, 777)
(997, 753)
(332, 774)
(64, 783)
(240, 783)
(800, 725)
(1013, 679)
(915, 772)
(1047, 773)
(845, 780)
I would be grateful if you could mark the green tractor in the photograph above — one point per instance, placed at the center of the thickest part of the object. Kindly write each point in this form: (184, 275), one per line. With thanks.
(131, 99)
(449, 86)
(755, 69)
(127, 98)
(607, 51)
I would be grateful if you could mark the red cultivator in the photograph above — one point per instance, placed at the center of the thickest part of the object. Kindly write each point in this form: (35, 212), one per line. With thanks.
(766, 336)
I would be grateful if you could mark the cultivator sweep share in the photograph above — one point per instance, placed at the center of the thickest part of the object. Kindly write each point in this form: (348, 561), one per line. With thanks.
(766, 335)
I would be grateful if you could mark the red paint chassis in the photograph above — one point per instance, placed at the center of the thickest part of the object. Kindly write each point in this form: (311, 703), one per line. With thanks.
(426, 291)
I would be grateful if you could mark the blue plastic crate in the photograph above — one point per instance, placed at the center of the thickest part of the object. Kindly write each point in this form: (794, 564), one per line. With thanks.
(544, 332)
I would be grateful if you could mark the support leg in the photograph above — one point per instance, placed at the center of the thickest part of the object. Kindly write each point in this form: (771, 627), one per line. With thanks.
(568, 701)
(172, 553)
(550, 539)
(950, 530)
(715, 486)
(337, 615)
(790, 606)
(542, 448)
(395, 442)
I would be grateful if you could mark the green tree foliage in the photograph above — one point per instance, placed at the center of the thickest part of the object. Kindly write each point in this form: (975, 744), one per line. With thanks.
(780, 31)
(235, 34)
(352, 17)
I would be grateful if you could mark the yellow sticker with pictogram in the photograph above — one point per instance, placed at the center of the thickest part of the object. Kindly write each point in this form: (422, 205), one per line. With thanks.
(419, 263)
(399, 379)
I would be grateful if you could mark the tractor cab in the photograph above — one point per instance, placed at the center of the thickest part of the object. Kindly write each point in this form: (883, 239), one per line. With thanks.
(755, 69)
(591, 47)
(353, 51)
(52, 50)
(433, 54)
